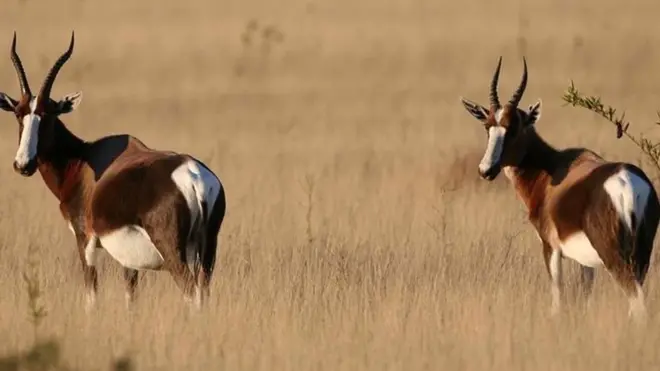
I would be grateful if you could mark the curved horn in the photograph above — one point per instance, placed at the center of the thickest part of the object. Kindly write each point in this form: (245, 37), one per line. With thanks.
(515, 99)
(52, 74)
(20, 71)
(494, 100)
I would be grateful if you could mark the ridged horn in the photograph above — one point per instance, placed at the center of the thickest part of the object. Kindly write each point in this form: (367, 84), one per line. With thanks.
(517, 96)
(52, 74)
(494, 100)
(20, 71)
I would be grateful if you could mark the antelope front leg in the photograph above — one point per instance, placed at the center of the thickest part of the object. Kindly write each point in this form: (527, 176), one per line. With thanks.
(87, 253)
(553, 264)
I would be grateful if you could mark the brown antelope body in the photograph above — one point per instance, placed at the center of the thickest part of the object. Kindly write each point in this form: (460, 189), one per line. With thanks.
(149, 209)
(596, 212)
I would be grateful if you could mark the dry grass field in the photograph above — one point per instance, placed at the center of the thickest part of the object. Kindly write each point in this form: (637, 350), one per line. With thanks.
(357, 235)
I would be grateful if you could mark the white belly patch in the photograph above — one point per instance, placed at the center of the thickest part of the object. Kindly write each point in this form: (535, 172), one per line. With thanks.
(578, 247)
(132, 247)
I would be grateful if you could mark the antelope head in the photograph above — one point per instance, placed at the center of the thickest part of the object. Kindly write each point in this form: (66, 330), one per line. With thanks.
(36, 115)
(506, 126)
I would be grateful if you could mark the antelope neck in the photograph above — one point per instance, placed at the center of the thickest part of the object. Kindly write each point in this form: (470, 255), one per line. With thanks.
(540, 156)
(60, 168)
(531, 176)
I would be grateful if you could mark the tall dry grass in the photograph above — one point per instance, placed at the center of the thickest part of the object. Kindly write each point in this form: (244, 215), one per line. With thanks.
(357, 235)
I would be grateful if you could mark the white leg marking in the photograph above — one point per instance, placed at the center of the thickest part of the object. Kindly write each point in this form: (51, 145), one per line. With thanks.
(71, 228)
(90, 251)
(578, 247)
(556, 276)
(494, 149)
(27, 147)
(198, 296)
(629, 194)
(636, 305)
(132, 247)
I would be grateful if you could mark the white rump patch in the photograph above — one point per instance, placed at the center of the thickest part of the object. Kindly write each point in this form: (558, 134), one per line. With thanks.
(132, 247)
(578, 247)
(27, 147)
(197, 184)
(494, 149)
(629, 194)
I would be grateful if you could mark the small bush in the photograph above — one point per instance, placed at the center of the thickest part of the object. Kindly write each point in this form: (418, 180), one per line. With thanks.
(649, 148)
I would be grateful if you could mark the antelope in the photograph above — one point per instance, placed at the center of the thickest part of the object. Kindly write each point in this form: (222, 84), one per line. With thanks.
(149, 209)
(595, 212)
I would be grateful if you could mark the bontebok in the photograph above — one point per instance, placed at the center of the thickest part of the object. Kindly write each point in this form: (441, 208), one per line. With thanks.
(596, 212)
(149, 209)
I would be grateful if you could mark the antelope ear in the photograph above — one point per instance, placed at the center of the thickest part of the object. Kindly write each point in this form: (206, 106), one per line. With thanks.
(534, 113)
(69, 103)
(478, 111)
(7, 103)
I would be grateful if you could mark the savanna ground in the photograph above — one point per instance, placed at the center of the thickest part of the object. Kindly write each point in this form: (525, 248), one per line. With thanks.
(357, 234)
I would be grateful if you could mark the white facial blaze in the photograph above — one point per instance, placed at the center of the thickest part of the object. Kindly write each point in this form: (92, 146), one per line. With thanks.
(27, 147)
(494, 149)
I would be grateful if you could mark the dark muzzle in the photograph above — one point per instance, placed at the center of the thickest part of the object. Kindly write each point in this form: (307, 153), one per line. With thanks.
(27, 170)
